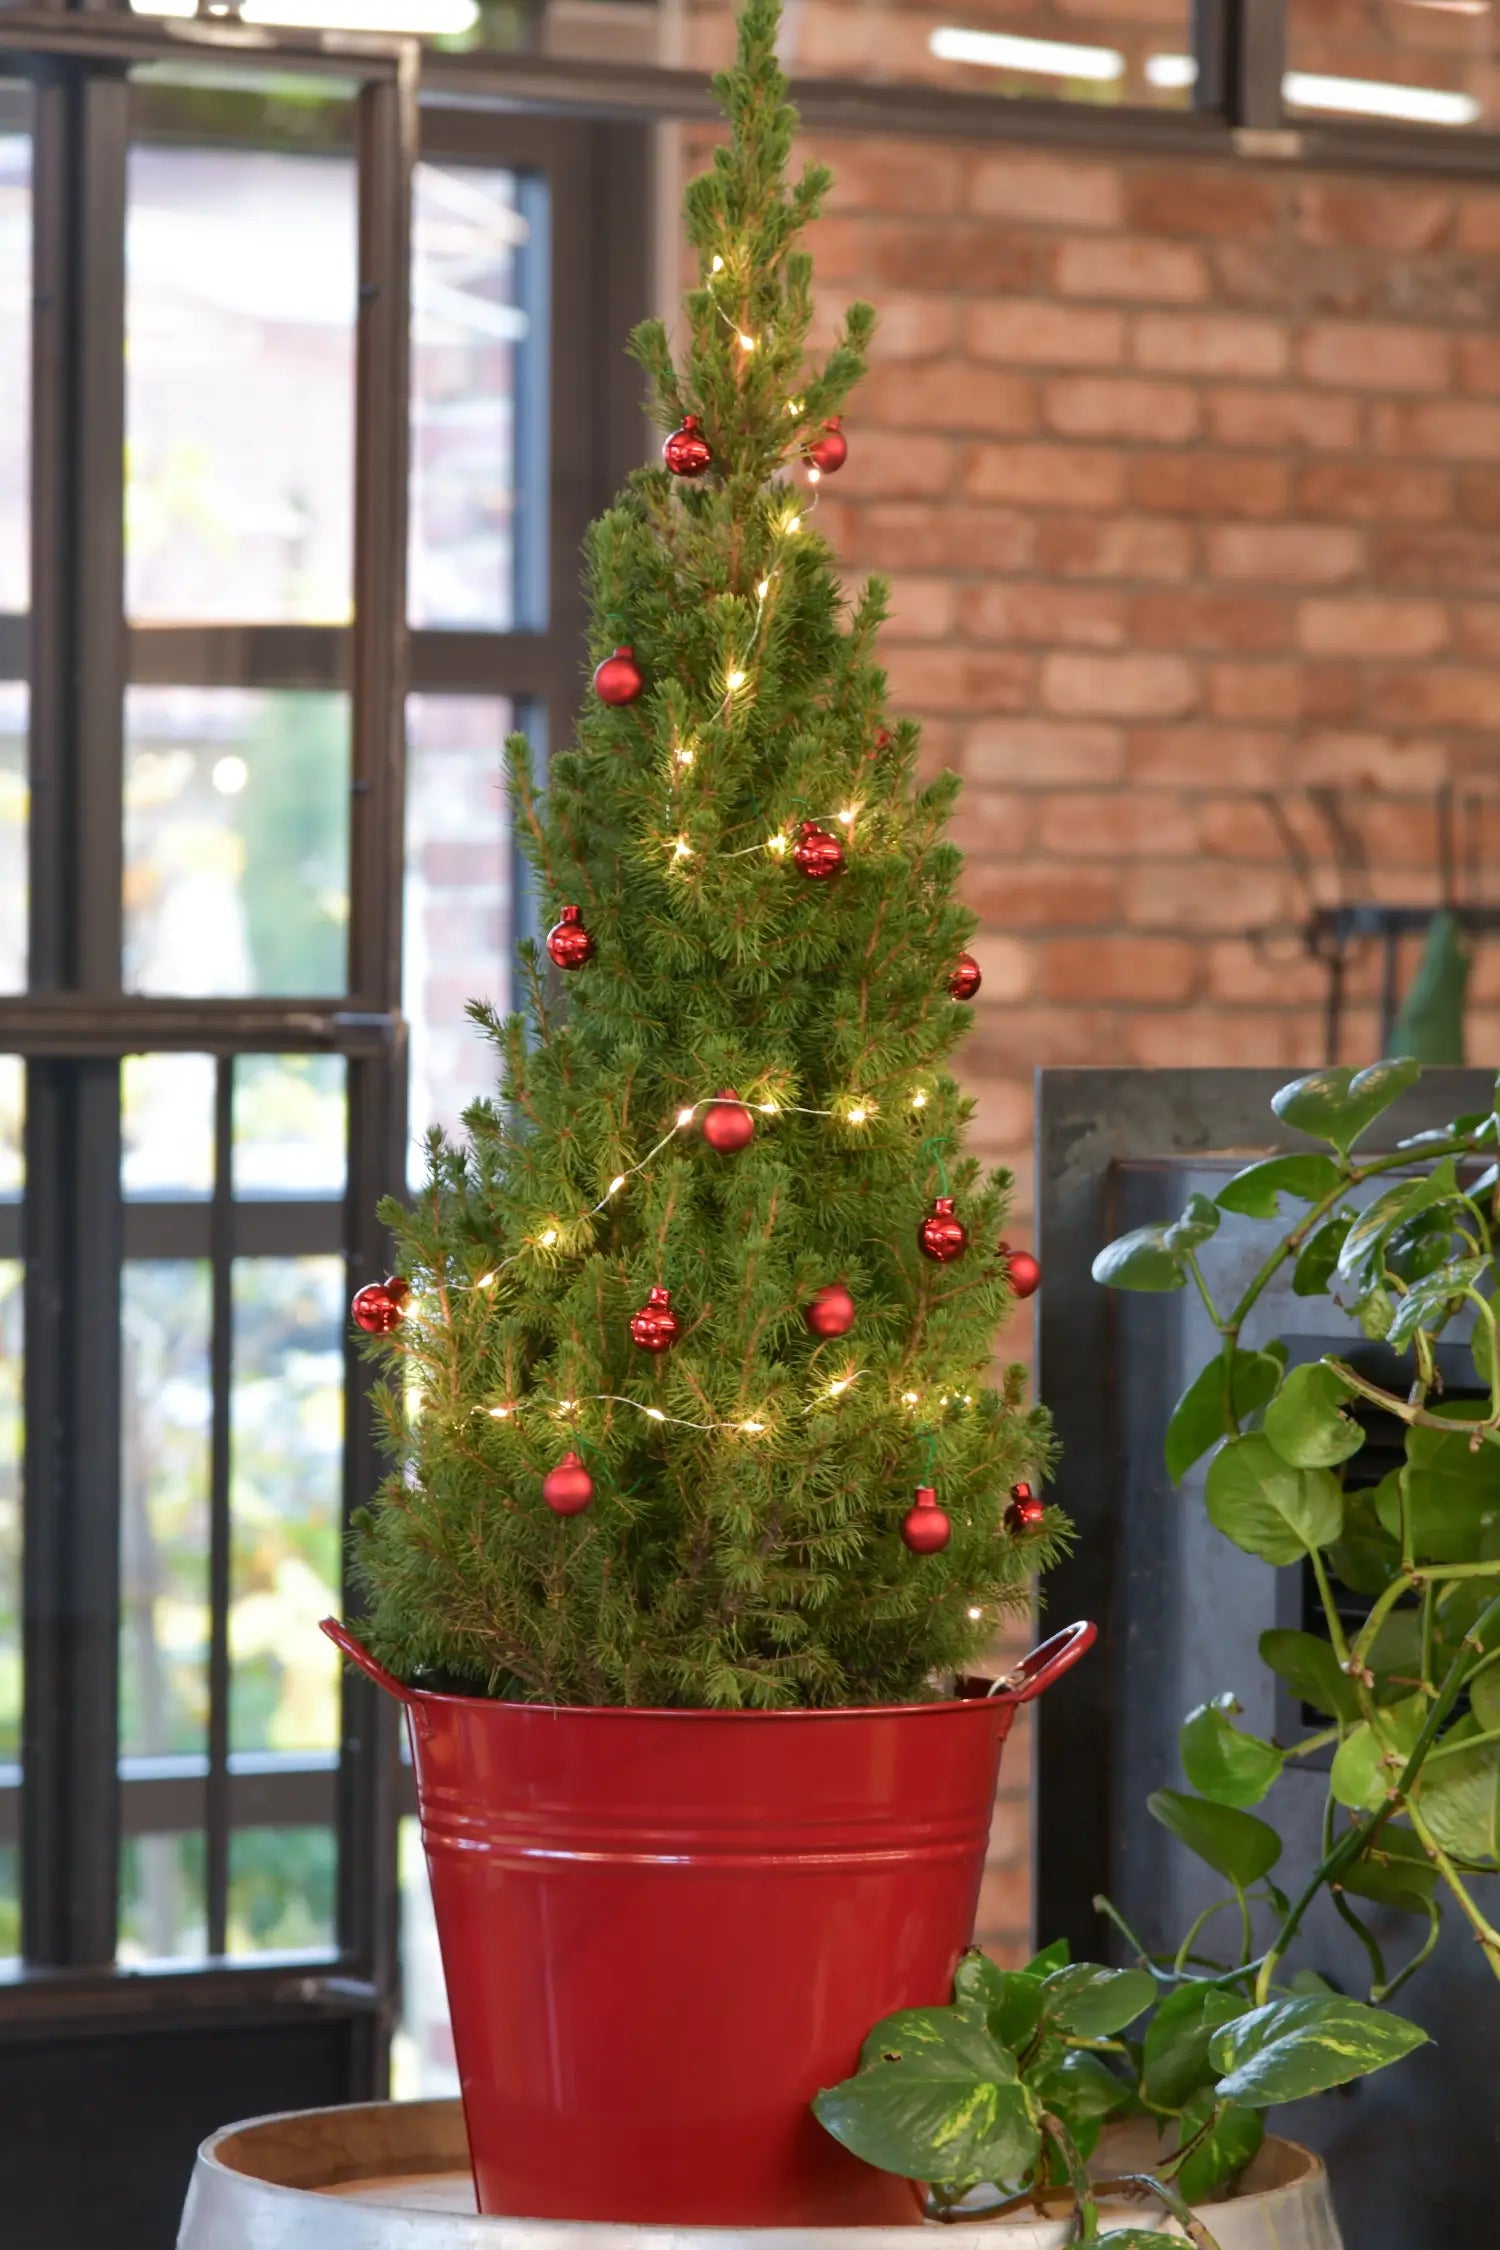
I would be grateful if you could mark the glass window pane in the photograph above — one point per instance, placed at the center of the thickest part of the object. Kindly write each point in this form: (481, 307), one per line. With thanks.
(236, 841)
(469, 233)
(281, 1890)
(289, 1126)
(240, 306)
(167, 1127)
(15, 348)
(1429, 64)
(423, 2064)
(164, 1507)
(1071, 50)
(286, 1488)
(162, 1916)
(458, 928)
(11, 1363)
(14, 805)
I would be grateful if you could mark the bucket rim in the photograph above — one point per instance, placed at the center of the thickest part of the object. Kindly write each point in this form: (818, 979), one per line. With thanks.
(1035, 1673)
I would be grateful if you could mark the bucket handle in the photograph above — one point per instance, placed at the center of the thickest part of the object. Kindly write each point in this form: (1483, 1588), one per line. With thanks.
(1035, 1673)
(360, 1656)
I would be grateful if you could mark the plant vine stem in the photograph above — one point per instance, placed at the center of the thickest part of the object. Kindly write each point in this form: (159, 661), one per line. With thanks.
(1190, 1260)
(1086, 2216)
(1418, 1417)
(1330, 1607)
(1399, 1160)
(1388, 1992)
(1380, 1610)
(1354, 1840)
(1487, 1934)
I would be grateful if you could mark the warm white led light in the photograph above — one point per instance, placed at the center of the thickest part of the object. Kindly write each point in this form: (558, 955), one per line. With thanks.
(752, 1429)
(919, 1099)
(767, 1109)
(814, 476)
(616, 1183)
(793, 523)
(654, 1413)
(682, 849)
(736, 680)
(486, 1281)
(1045, 58)
(837, 1389)
(858, 1114)
(747, 343)
(776, 844)
(548, 1238)
(499, 1413)
(567, 1406)
(910, 1398)
(975, 1615)
(718, 265)
(684, 757)
(763, 588)
(849, 815)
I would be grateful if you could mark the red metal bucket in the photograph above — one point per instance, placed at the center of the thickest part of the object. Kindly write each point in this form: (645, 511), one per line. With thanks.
(663, 1931)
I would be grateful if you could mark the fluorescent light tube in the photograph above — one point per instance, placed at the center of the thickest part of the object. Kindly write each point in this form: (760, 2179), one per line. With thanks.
(1373, 97)
(1048, 58)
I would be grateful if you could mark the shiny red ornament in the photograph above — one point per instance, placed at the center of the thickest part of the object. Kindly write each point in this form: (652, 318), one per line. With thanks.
(379, 1305)
(964, 979)
(1022, 1270)
(654, 1327)
(687, 452)
(817, 853)
(618, 679)
(941, 1236)
(727, 1124)
(926, 1528)
(1026, 1509)
(568, 942)
(568, 1488)
(831, 1311)
(831, 450)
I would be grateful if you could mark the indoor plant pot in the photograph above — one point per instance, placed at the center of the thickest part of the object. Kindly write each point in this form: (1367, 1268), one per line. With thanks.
(663, 1931)
(1281, 2202)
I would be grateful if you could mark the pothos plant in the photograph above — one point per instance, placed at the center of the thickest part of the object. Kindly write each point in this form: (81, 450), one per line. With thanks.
(1009, 2086)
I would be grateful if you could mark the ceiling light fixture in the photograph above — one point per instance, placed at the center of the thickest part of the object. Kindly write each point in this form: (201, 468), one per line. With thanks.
(1046, 58)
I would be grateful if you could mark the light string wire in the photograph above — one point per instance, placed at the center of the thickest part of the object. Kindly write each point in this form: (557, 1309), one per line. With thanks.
(856, 1113)
(565, 1409)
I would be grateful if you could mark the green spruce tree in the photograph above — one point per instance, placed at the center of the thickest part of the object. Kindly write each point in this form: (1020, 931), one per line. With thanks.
(743, 1545)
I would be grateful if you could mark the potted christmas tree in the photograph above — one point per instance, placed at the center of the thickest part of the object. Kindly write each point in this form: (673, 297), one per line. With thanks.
(702, 1508)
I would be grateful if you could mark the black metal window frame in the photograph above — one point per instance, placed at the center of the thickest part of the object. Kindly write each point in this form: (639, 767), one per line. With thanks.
(1237, 108)
(75, 1024)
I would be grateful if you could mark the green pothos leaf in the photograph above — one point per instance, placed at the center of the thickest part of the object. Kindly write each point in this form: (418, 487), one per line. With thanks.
(1291, 2048)
(1257, 1191)
(1198, 1418)
(1339, 1104)
(946, 2106)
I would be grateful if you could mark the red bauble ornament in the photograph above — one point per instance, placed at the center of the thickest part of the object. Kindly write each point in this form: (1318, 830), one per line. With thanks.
(926, 1528)
(727, 1124)
(831, 450)
(817, 853)
(654, 1327)
(568, 1488)
(941, 1236)
(964, 978)
(1022, 1270)
(1026, 1509)
(568, 942)
(379, 1305)
(618, 679)
(687, 452)
(831, 1311)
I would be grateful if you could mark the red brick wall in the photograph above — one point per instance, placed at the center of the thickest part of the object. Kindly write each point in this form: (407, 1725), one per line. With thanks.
(1187, 478)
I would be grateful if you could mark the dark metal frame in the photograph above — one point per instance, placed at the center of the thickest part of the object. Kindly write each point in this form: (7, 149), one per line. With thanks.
(75, 1024)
